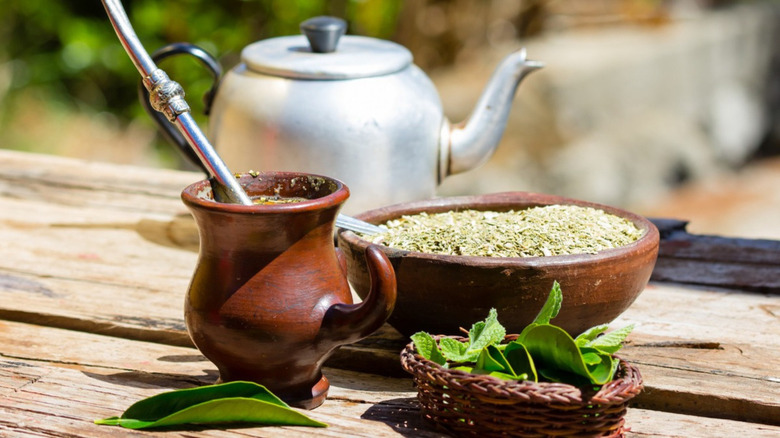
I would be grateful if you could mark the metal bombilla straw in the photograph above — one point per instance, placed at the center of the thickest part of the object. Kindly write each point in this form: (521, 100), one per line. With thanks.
(167, 97)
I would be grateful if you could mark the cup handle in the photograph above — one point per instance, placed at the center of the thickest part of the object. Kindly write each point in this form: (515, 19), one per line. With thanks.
(349, 323)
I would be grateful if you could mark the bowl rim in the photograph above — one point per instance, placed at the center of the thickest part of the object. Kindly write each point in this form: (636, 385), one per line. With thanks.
(647, 241)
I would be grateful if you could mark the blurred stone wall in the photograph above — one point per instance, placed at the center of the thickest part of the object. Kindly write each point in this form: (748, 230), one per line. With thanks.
(622, 113)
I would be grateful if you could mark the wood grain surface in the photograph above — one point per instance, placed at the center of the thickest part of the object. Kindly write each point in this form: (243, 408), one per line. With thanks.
(56, 382)
(93, 271)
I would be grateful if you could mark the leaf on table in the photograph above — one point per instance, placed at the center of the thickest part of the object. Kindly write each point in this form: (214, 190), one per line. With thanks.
(224, 403)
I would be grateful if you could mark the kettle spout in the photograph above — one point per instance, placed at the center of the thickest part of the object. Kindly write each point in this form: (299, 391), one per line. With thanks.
(468, 144)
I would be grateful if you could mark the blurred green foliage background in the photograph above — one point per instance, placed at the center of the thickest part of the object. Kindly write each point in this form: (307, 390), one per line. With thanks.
(68, 88)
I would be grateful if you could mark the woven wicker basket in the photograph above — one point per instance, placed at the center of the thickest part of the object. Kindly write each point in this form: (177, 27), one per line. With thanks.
(465, 404)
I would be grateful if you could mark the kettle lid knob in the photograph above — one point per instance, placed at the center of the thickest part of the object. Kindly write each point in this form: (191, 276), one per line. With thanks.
(323, 33)
(296, 58)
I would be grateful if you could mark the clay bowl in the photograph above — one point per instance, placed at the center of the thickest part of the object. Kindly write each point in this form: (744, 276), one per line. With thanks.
(441, 293)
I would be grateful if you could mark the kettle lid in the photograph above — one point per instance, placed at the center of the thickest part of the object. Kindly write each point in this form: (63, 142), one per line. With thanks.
(324, 54)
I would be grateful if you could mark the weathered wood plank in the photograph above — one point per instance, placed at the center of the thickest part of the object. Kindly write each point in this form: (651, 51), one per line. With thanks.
(107, 237)
(677, 242)
(715, 260)
(65, 402)
(701, 390)
(703, 352)
(80, 183)
(88, 258)
(748, 276)
(48, 390)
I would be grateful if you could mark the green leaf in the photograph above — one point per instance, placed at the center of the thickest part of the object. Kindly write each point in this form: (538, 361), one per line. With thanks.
(506, 376)
(542, 350)
(611, 342)
(522, 376)
(499, 374)
(590, 334)
(427, 348)
(554, 352)
(491, 359)
(598, 361)
(520, 360)
(591, 358)
(225, 403)
(454, 350)
(528, 328)
(484, 333)
(561, 376)
(551, 307)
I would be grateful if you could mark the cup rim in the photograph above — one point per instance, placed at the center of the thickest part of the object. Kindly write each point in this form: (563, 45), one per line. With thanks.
(190, 195)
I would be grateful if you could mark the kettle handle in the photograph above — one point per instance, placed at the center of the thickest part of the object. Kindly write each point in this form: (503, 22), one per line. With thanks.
(168, 130)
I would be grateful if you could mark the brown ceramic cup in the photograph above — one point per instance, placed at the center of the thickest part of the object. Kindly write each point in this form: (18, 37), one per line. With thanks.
(269, 300)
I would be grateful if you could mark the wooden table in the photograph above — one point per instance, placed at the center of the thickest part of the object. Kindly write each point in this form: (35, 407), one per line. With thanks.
(95, 260)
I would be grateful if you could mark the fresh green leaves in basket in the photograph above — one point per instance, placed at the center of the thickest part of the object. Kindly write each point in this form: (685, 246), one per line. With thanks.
(481, 335)
(427, 347)
(541, 351)
(224, 403)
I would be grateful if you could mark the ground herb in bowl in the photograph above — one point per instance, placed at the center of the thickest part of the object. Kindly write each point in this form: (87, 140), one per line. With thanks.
(534, 232)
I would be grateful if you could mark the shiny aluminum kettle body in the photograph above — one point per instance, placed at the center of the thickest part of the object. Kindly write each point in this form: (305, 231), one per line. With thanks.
(350, 107)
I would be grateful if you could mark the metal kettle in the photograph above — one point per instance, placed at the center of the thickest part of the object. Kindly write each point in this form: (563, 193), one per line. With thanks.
(350, 107)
